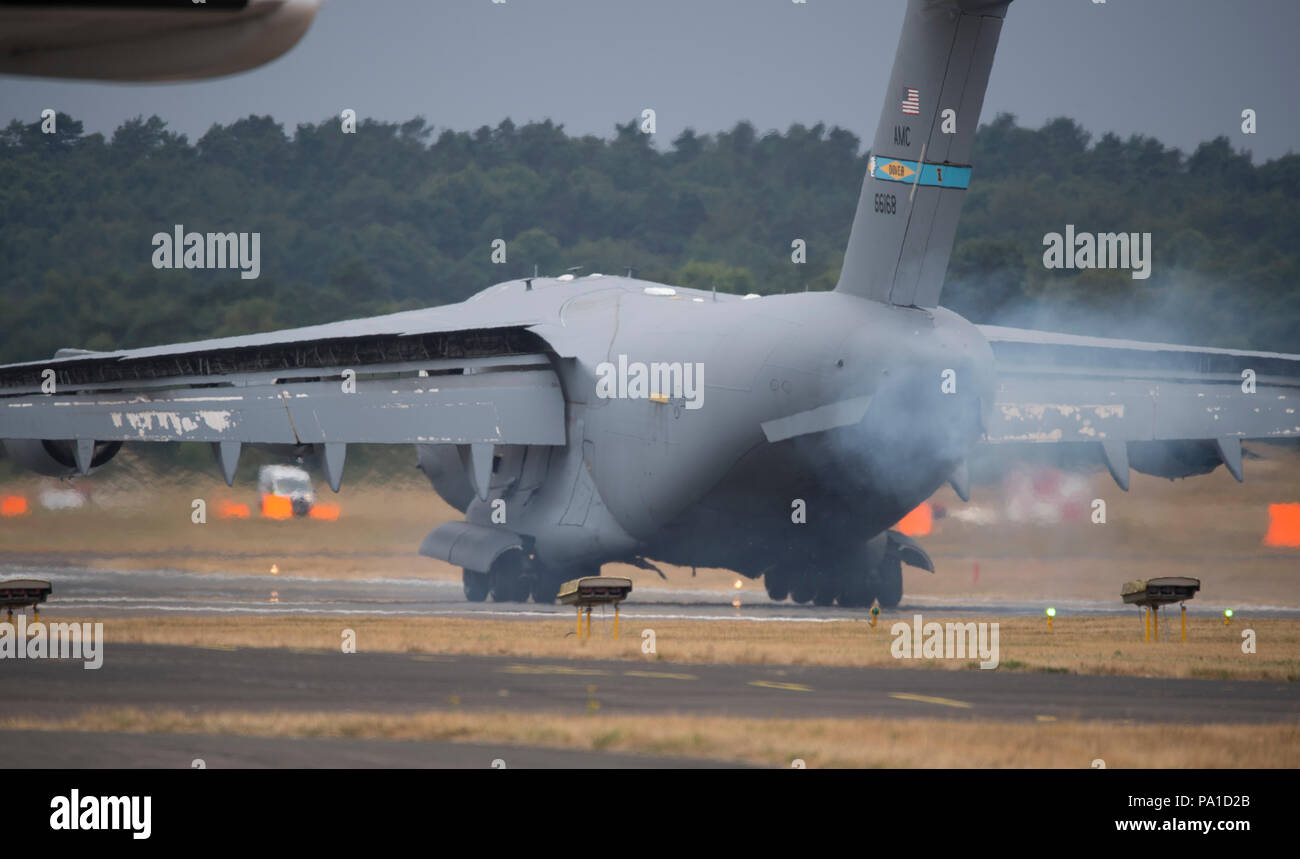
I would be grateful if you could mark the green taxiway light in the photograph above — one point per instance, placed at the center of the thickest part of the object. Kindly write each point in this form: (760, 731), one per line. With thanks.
(1227, 612)
(1051, 612)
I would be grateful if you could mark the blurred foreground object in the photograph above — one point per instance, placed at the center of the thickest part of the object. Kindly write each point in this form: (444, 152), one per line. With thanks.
(181, 40)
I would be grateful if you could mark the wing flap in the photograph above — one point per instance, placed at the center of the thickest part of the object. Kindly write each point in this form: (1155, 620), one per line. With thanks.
(1055, 388)
(524, 407)
(250, 415)
(464, 387)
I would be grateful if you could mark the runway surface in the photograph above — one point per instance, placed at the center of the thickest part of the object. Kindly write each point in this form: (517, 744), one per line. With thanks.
(86, 592)
(198, 680)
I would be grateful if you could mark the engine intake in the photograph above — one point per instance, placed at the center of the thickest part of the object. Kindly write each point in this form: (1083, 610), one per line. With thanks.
(56, 458)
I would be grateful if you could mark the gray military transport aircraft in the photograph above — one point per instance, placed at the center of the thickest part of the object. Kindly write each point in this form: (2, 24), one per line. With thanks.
(582, 420)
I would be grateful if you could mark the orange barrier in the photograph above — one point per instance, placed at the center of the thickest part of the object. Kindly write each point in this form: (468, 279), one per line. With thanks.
(231, 510)
(14, 505)
(1283, 525)
(325, 512)
(277, 507)
(917, 523)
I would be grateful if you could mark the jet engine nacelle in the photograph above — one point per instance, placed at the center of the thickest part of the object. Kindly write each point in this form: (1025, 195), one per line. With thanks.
(56, 458)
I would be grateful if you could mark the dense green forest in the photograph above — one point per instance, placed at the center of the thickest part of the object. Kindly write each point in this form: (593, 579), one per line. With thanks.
(398, 216)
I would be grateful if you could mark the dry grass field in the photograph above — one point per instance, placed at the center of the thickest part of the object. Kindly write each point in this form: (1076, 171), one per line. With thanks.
(1082, 645)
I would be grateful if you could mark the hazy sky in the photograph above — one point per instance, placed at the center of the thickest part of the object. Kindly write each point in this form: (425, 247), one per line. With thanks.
(1181, 70)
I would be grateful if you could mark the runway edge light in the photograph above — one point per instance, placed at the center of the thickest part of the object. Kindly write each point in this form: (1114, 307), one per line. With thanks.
(24, 593)
(591, 591)
(1153, 593)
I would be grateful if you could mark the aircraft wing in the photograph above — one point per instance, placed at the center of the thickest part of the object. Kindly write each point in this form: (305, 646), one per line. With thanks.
(470, 373)
(1168, 410)
(122, 40)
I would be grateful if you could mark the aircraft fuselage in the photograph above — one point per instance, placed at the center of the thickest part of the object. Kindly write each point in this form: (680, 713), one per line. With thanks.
(808, 422)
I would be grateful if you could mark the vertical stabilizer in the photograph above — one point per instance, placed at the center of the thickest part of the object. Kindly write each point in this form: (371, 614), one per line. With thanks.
(920, 159)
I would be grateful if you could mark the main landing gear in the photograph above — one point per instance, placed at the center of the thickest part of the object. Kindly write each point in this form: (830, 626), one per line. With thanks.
(515, 577)
(854, 587)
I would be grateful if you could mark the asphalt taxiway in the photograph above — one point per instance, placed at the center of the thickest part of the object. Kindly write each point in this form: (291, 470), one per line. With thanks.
(196, 680)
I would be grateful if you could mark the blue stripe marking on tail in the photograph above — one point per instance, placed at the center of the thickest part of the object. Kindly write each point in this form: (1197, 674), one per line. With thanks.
(904, 171)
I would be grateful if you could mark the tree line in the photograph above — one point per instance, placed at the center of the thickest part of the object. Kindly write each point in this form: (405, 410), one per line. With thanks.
(404, 215)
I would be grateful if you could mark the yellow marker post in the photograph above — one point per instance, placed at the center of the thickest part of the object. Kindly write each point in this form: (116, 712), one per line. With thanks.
(875, 613)
(1051, 613)
(1184, 624)
(579, 622)
(615, 620)
(1155, 623)
(1146, 625)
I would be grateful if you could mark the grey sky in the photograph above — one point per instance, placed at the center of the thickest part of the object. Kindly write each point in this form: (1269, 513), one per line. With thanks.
(1180, 70)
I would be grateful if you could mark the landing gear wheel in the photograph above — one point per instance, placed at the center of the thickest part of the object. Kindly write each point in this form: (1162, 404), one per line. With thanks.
(777, 583)
(546, 586)
(476, 585)
(803, 588)
(510, 587)
(888, 582)
(509, 584)
(856, 591)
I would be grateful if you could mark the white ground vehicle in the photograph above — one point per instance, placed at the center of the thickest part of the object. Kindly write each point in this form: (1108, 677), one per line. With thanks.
(286, 482)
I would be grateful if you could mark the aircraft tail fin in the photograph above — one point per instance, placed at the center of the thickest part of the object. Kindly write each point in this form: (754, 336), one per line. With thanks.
(919, 169)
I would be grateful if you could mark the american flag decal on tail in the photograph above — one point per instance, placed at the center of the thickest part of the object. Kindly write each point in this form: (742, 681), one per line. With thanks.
(912, 102)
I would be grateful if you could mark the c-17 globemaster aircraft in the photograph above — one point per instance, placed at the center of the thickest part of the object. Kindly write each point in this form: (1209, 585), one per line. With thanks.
(582, 420)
